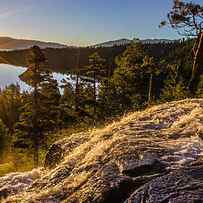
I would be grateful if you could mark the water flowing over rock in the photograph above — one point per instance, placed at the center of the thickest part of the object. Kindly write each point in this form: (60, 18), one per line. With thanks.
(152, 156)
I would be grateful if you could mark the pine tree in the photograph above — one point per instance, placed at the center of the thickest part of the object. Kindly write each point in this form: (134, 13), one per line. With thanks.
(50, 106)
(11, 101)
(174, 88)
(128, 80)
(3, 138)
(94, 69)
(132, 56)
(149, 66)
(199, 92)
(68, 112)
(41, 113)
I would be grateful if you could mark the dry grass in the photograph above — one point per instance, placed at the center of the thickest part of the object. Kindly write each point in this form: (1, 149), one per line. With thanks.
(98, 155)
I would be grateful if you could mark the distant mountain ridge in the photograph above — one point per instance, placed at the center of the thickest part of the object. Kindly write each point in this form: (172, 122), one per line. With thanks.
(122, 42)
(8, 43)
(112, 43)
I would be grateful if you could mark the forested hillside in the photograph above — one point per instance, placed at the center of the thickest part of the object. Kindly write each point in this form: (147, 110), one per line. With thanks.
(12, 44)
(66, 59)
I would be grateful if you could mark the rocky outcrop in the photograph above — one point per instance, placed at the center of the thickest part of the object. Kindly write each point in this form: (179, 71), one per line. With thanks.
(153, 156)
(53, 156)
(17, 182)
(183, 185)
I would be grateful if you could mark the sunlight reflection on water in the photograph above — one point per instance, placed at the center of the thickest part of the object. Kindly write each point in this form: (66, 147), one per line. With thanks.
(9, 74)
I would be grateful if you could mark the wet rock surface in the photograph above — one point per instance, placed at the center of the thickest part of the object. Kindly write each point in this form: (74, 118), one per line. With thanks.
(154, 156)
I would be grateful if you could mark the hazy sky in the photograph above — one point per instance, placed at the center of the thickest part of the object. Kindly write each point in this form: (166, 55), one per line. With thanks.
(83, 22)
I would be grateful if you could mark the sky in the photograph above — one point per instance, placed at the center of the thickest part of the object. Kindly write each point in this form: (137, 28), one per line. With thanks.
(84, 22)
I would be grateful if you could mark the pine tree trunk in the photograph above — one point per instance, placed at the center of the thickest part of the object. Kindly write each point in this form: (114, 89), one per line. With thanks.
(150, 89)
(197, 64)
(35, 123)
(77, 93)
(95, 96)
(77, 90)
(36, 153)
(108, 81)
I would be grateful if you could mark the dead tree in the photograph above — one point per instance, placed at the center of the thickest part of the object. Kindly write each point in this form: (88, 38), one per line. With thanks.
(187, 18)
(197, 69)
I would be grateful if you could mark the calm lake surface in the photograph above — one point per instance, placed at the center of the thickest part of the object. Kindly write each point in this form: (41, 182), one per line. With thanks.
(10, 75)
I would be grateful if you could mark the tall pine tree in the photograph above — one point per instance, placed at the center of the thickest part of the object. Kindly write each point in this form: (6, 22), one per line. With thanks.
(41, 113)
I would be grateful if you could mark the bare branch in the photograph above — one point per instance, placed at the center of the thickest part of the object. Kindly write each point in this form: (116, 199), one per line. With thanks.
(185, 17)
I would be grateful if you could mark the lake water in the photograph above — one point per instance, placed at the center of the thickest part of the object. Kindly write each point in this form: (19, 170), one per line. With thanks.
(10, 75)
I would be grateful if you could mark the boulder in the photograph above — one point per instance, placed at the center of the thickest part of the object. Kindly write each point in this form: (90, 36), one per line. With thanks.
(53, 156)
